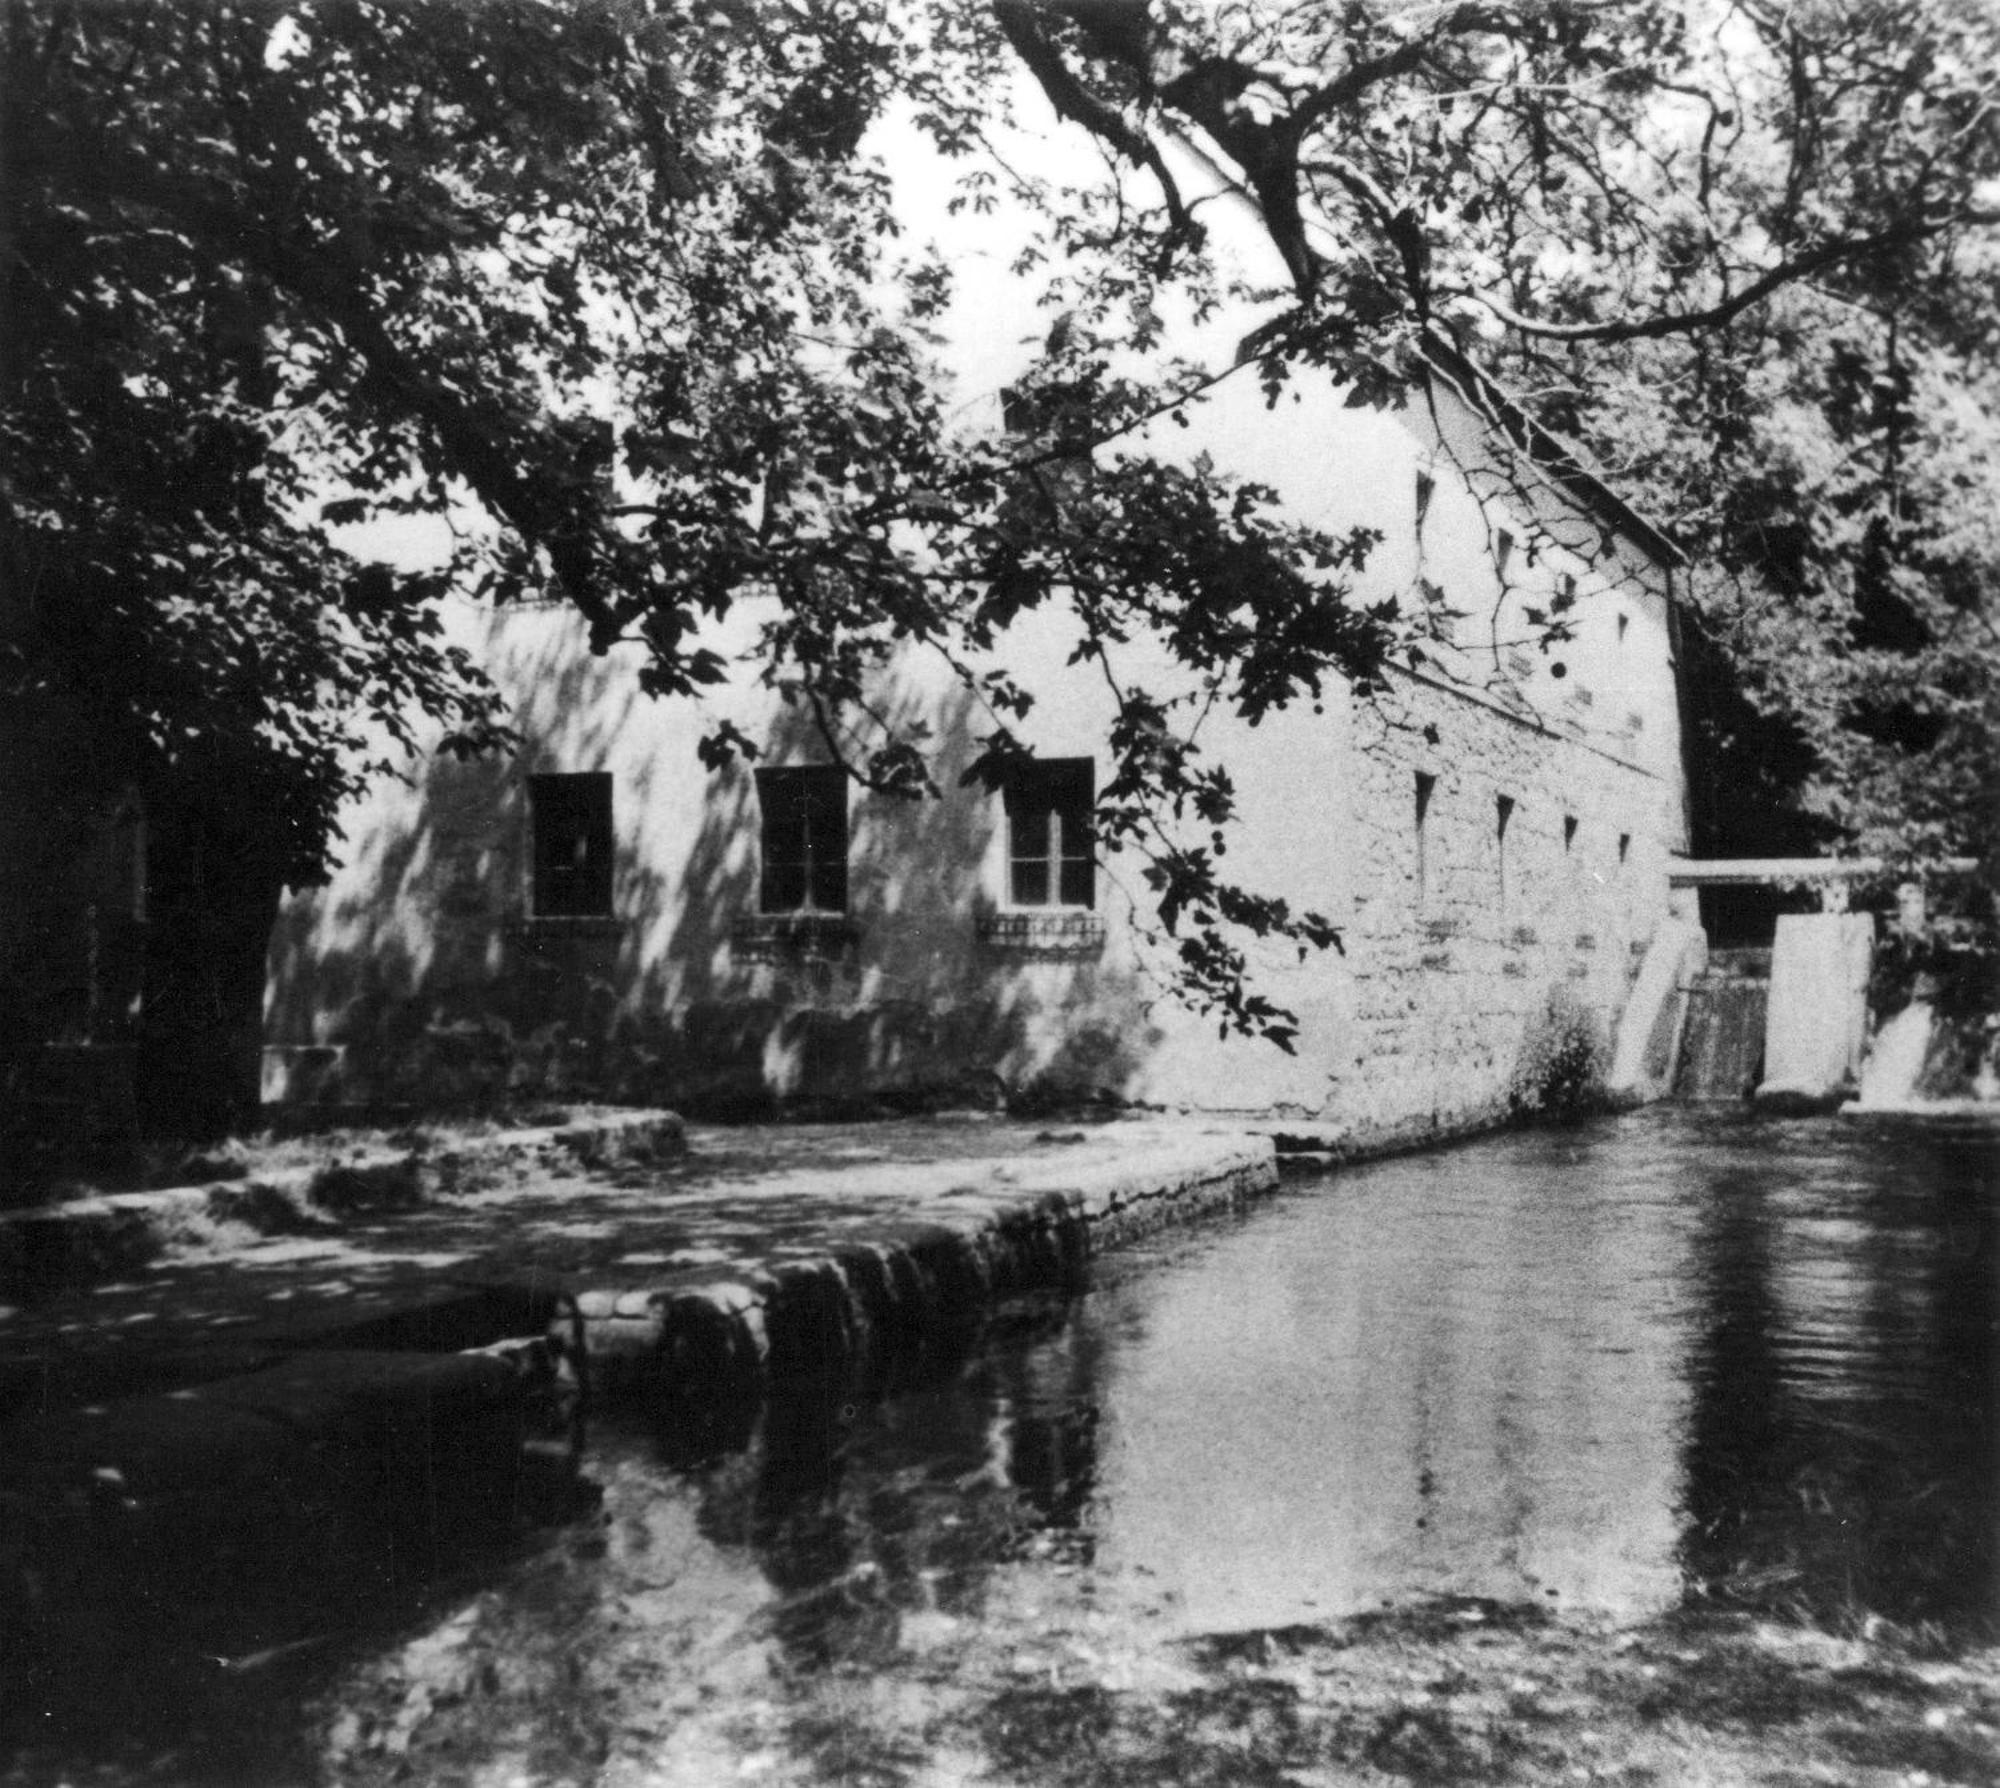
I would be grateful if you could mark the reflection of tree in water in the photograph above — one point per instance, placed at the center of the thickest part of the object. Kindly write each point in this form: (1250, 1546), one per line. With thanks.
(1841, 1456)
(1922, 1505)
(1735, 1429)
(859, 1515)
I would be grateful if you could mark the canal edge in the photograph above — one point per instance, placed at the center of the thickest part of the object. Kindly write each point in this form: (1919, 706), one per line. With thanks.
(889, 1297)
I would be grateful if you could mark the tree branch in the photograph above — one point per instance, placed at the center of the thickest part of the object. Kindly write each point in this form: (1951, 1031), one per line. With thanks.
(1073, 100)
(1685, 322)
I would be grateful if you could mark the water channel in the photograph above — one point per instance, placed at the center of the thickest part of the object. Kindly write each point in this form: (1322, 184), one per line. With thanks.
(1680, 1358)
(1685, 1355)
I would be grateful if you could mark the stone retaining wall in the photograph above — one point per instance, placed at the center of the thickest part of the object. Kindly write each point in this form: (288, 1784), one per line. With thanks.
(887, 1300)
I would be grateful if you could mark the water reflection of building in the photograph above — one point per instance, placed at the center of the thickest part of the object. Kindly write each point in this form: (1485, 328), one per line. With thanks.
(1454, 1376)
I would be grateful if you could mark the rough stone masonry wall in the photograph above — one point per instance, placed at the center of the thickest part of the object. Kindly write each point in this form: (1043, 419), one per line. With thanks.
(1446, 1007)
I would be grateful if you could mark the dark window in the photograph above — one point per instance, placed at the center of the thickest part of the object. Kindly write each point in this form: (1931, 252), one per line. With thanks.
(1503, 817)
(1050, 861)
(572, 824)
(805, 839)
(1426, 487)
(1569, 831)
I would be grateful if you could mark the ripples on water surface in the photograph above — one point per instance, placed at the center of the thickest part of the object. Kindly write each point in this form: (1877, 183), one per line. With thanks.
(1685, 1355)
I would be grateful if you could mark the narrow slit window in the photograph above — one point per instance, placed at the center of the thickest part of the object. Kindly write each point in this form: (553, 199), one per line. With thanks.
(1624, 622)
(1569, 832)
(804, 838)
(1426, 489)
(1051, 849)
(1503, 550)
(1503, 817)
(1426, 786)
(1624, 846)
(571, 821)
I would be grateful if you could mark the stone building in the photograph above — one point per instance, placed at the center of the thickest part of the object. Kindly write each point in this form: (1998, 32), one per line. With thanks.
(603, 915)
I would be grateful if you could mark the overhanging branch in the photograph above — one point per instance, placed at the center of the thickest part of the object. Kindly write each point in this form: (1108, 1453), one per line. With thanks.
(1073, 100)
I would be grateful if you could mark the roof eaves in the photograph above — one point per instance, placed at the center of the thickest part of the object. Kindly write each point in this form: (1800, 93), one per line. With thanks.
(1562, 462)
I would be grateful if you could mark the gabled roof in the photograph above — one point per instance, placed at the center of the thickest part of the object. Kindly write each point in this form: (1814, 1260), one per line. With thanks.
(1561, 462)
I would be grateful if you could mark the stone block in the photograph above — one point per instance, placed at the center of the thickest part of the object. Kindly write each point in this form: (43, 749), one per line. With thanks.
(1642, 1060)
(1818, 1017)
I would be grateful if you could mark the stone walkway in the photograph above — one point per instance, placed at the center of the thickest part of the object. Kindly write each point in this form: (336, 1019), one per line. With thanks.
(338, 1372)
(490, 1256)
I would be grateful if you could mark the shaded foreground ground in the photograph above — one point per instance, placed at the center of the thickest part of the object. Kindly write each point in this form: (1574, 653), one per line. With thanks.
(1465, 1693)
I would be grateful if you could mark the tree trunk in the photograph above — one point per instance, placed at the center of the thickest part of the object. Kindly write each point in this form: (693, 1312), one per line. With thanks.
(214, 879)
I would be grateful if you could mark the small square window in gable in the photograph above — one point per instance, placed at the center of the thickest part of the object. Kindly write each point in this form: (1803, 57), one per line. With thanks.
(572, 845)
(803, 811)
(1051, 855)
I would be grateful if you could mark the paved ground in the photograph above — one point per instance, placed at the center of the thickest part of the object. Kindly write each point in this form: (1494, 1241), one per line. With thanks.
(487, 1256)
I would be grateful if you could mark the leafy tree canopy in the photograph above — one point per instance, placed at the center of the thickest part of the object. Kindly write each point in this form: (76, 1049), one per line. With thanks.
(624, 280)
